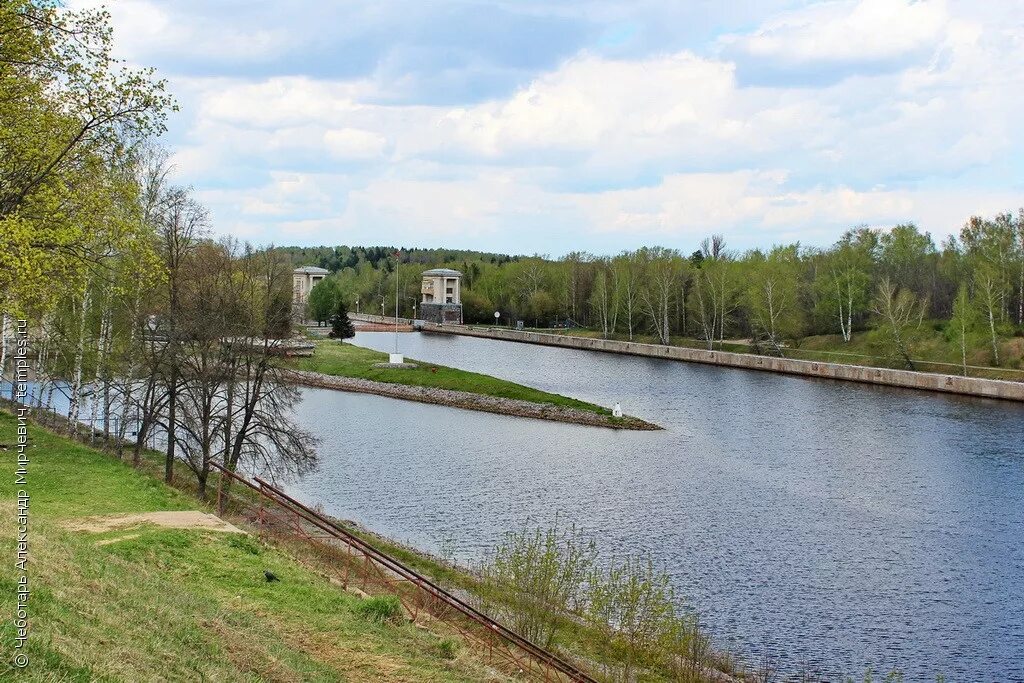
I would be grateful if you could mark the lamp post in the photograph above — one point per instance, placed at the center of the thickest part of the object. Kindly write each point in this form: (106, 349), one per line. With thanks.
(357, 305)
(396, 304)
(396, 357)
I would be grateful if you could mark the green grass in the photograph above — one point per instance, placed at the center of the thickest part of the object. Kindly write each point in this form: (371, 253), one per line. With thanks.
(929, 348)
(177, 604)
(347, 360)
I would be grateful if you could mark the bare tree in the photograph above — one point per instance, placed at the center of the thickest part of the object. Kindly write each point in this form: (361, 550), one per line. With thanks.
(181, 223)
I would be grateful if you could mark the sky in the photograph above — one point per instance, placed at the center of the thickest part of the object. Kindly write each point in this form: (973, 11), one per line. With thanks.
(548, 127)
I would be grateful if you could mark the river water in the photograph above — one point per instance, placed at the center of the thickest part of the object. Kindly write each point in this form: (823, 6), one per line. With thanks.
(833, 524)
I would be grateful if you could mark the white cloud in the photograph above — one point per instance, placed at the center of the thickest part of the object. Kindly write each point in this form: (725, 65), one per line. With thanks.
(861, 32)
(352, 143)
(145, 28)
(920, 115)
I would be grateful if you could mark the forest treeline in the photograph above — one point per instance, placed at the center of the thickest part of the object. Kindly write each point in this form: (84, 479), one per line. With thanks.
(895, 282)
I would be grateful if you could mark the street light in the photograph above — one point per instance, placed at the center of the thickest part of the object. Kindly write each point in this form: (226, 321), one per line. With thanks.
(396, 357)
(397, 300)
(357, 305)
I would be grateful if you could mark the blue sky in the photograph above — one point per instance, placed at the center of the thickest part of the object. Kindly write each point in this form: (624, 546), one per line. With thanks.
(547, 127)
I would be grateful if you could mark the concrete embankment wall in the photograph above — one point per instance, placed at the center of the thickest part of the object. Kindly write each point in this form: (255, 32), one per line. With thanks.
(379, 319)
(953, 384)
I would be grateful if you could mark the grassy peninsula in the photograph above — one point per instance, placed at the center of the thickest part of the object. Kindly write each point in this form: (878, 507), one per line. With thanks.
(348, 360)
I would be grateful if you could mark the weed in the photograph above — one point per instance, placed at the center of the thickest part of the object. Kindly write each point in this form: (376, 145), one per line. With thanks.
(381, 609)
(449, 648)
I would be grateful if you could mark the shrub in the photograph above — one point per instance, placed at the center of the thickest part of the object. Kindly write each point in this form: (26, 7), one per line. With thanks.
(534, 578)
(449, 648)
(381, 609)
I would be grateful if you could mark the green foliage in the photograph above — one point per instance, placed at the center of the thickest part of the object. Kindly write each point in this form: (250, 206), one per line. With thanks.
(69, 118)
(553, 587)
(900, 313)
(774, 297)
(449, 648)
(346, 360)
(534, 577)
(323, 300)
(381, 609)
(341, 325)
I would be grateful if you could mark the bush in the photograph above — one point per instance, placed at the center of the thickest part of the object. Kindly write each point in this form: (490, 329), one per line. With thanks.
(449, 648)
(381, 609)
(534, 578)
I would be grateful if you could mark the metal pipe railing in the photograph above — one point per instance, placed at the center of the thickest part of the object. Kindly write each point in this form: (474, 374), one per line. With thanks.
(544, 657)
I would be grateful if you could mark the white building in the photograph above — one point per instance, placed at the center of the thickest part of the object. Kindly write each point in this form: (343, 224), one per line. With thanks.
(304, 279)
(441, 299)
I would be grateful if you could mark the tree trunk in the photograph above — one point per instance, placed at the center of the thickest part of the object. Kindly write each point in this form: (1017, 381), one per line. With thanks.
(963, 344)
(172, 408)
(75, 392)
(992, 329)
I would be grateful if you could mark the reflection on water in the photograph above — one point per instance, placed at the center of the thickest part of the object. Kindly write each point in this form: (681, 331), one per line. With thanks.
(838, 524)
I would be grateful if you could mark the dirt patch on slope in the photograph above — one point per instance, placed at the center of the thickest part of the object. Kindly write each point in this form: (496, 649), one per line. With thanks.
(172, 519)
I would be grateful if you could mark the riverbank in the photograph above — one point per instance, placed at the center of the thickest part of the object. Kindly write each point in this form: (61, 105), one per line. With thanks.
(345, 367)
(954, 384)
(185, 601)
(110, 541)
(929, 348)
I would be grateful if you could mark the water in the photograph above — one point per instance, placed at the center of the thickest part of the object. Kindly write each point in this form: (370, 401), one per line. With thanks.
(835, 524)
(832, 523)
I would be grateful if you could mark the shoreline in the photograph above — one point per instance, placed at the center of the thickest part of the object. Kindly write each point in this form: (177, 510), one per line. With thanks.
(933, 382)
(1004, 390)
(469, 401)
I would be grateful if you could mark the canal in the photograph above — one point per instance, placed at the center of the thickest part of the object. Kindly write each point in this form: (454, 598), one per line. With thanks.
(835, 525)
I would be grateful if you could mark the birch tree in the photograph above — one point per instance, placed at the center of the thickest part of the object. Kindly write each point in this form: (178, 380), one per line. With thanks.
(660, 273)
(897, 309)
(843, 283)
(772, 294)
(963, 323)
(628, 276)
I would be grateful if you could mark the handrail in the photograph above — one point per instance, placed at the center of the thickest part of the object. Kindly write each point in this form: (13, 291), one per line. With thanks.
(330, 526)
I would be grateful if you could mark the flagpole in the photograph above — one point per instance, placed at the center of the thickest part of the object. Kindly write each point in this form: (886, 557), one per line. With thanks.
(396, 301)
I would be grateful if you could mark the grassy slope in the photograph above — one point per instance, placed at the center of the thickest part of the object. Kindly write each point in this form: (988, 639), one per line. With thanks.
(347, 360)
(929, 346)
(180, 604)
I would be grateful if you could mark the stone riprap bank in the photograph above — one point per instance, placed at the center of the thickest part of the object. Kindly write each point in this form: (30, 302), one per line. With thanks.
(469, 401)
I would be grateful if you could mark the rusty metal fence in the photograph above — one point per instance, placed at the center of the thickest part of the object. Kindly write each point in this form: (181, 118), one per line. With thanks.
(355, 562)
